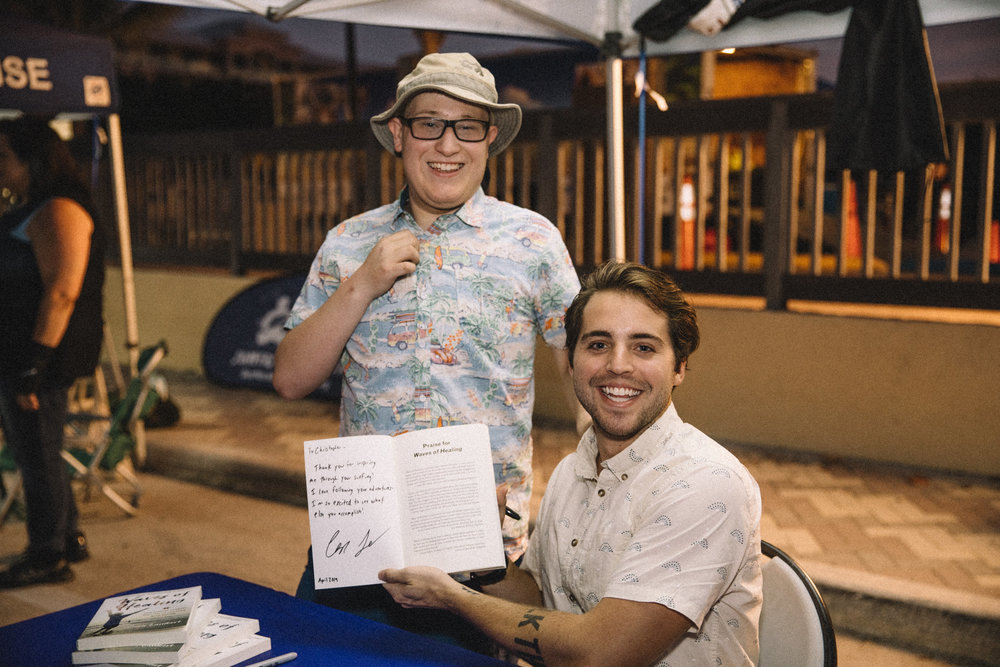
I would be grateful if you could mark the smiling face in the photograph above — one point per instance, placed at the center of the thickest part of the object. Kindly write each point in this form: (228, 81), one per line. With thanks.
(624, 368)
(442, 174)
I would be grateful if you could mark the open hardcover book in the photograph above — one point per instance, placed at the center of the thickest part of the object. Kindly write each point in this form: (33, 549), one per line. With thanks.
(420, 498)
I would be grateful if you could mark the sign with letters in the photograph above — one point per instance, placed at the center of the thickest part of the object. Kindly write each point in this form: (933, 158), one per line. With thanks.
(240, 343)
(45, 70)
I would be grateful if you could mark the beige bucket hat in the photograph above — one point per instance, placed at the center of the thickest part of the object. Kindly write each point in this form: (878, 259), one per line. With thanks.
(457, 75)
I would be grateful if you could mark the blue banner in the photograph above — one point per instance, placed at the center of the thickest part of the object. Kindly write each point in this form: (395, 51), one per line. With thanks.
(240, 343)
(48, 71)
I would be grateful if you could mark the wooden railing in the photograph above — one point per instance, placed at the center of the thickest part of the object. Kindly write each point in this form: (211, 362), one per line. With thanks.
(736, 199)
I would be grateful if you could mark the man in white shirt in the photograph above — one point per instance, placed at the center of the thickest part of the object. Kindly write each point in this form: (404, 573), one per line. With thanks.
(647, 545)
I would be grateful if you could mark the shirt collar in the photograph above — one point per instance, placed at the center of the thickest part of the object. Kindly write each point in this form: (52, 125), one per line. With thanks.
(641, 450)
(473, 212)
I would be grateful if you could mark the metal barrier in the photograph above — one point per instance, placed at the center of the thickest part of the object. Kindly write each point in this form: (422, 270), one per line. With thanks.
(737, 199)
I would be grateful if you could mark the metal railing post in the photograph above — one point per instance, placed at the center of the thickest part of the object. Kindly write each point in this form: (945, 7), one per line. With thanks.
(373, 172)
(546, 167)
(777, 201)
(237, 264)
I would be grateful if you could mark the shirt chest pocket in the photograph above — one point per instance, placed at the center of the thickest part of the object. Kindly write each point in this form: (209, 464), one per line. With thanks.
(595, 551)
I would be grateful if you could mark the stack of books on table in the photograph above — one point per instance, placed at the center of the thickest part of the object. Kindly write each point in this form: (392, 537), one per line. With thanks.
(170, 627)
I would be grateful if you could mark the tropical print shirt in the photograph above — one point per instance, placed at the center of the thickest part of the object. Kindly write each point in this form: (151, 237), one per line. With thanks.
(454, 342)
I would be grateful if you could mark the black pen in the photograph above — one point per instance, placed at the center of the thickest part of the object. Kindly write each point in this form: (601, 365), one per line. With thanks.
(512, 514)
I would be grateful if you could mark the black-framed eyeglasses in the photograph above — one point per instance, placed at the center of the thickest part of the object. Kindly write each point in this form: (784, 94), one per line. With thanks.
(428, 129)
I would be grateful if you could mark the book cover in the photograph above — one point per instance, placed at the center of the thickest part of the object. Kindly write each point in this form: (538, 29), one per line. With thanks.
(423, 497)
(238, 651)
(152, 654)
(151, 618)
(221, 632)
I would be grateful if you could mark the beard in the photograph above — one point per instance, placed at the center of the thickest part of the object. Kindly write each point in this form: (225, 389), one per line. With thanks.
(621, 425)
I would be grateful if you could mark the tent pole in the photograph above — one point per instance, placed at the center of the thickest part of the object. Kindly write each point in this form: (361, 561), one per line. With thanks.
(125, 242)
(640, 216)
(128, 277)
(616, 147)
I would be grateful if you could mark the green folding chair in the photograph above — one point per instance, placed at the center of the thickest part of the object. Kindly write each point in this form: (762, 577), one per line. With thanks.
(107, 458)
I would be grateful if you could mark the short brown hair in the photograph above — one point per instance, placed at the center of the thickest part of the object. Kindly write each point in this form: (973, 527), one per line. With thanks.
(654, 287)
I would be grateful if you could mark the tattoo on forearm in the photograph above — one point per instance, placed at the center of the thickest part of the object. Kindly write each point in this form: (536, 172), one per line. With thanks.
(531, 619)
(528, 647)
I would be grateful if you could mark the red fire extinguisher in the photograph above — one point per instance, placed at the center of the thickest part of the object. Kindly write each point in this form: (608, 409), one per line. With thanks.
(995, 242)
(686, 219)
(943, 229)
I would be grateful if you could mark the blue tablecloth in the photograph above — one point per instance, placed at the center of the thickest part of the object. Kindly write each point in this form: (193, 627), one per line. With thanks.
(320, 635)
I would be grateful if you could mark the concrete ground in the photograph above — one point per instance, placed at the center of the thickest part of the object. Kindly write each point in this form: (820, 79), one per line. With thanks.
(185, 527)
(181, 528)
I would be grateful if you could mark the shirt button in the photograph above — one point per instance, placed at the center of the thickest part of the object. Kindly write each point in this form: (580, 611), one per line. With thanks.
(624, 476)
(574, 542)
(600, 492)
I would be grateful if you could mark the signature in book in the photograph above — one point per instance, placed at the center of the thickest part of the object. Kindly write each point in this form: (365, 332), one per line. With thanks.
(336, 547)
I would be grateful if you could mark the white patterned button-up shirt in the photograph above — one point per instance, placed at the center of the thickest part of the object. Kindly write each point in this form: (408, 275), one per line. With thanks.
(673, 519)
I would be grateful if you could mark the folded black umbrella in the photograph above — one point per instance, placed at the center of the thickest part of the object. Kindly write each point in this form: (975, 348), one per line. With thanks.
(886, 108)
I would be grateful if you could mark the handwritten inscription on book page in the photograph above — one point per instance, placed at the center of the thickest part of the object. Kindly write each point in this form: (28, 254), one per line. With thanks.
(420, 498)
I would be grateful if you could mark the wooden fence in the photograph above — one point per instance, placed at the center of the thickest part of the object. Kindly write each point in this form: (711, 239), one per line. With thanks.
(732, 197)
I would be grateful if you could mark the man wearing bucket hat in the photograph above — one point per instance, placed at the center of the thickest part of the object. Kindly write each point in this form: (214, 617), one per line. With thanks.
(431, 305)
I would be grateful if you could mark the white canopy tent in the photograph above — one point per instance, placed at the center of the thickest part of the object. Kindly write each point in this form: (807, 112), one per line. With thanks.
(582, 20)
(603, 23)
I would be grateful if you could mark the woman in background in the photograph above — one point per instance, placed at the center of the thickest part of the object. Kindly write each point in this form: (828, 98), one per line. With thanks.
(51, 327)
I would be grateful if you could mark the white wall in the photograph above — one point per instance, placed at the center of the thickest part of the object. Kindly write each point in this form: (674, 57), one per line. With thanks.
(914, 392)
(175, 304)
